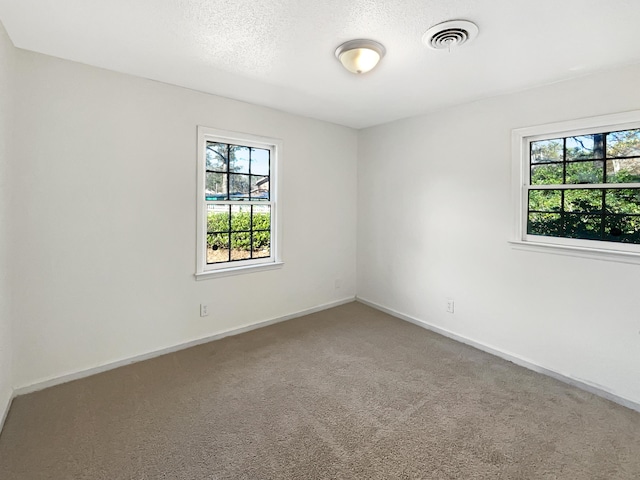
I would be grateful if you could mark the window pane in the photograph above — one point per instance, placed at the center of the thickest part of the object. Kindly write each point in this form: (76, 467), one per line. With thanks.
(587, 200)
(624, 229)
(624, 144)
(550, 174)
(240, 246)
(261, 244)
(240, 218)
(624, 170)
(239, 187)
(585, 172)
(216, 186)
(239, 159)
(585, 146)
(583, 226)
(546, 151)
(624, 201)
(217, 218)
(218, 248)
(216, 156)
(545, 200)
(259, 188)
(545, 224)
(261, 219)
(260, 161)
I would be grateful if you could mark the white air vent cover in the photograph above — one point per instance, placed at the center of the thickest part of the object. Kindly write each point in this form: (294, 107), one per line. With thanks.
(447, 35)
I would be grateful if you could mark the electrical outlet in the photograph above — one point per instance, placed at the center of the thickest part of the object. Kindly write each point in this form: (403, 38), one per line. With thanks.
(204, 309)
(450, 305)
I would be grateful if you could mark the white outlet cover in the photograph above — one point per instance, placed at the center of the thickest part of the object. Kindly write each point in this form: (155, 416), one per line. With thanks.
(450, 305)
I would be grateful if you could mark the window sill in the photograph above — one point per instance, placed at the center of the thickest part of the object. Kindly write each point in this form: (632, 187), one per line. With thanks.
(576, 251)
(228, 272)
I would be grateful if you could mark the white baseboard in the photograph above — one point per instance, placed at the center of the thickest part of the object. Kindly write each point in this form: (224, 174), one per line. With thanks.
(582, 384)
(5, 412)
(518, 360)
(57, 380)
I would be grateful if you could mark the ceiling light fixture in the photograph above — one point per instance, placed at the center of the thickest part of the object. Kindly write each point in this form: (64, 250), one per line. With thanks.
(360, 56)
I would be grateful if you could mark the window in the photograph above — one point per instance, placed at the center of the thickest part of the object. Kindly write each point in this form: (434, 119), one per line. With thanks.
(237, 203)
(577, 185)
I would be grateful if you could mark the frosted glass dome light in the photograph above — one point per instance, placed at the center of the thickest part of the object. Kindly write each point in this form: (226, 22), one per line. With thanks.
(360, 56)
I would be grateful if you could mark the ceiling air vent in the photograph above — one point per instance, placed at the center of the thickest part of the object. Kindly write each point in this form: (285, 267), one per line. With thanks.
(447, 35)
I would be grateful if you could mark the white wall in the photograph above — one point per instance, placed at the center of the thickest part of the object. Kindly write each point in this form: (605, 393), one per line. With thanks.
(434, 217)
(105, 210)
(102, 244)
(7, 52)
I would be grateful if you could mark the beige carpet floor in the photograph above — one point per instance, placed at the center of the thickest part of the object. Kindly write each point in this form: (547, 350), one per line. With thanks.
(345, 393)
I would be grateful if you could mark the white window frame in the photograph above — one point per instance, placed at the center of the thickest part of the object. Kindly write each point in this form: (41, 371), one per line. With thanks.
(204, 270)
(521, 139)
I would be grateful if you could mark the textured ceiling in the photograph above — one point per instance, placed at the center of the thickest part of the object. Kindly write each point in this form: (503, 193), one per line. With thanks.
(279, 53)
